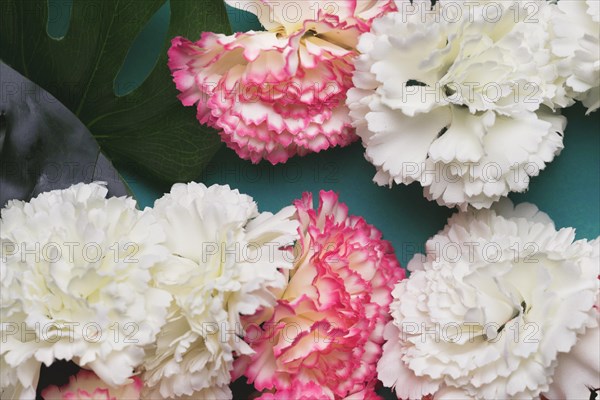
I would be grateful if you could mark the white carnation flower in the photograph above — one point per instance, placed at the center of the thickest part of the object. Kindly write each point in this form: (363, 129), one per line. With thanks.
(459, 97)
(225, 263)
(578, 371)
(487, 314)
(577, 31)
(75, 275)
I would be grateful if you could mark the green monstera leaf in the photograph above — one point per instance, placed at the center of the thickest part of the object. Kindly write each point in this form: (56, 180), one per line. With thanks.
(87, 65)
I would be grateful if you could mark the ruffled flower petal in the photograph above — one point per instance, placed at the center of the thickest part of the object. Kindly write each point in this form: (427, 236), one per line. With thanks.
(577, 372)
(313, 391)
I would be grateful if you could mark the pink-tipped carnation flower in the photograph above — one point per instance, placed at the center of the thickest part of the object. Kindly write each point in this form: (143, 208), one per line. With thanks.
(324, 337)
(281, 92)
(313, 391)
(87, 386)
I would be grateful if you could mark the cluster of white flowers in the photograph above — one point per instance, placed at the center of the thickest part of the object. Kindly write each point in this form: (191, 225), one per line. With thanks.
(509, 313)
(462, 96)
(121, 291)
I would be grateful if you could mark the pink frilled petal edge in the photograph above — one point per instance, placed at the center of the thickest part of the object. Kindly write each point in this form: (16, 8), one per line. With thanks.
(86, 385)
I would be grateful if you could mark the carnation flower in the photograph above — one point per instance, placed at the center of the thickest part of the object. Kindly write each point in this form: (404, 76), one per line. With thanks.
(87, 386)
(577, 30)
(324, 337)
(277, 93)
(75, 276)
(313, 391)
(225, 263)
(459, 98)
(578, 371)
(491, 309)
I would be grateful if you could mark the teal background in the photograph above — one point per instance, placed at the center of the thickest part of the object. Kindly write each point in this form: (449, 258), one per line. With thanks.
(568, 190)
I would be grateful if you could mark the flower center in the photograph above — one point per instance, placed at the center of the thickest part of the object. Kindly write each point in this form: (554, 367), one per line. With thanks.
(490, 332)
(449, 91)
(310, 33)
(523, 310)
